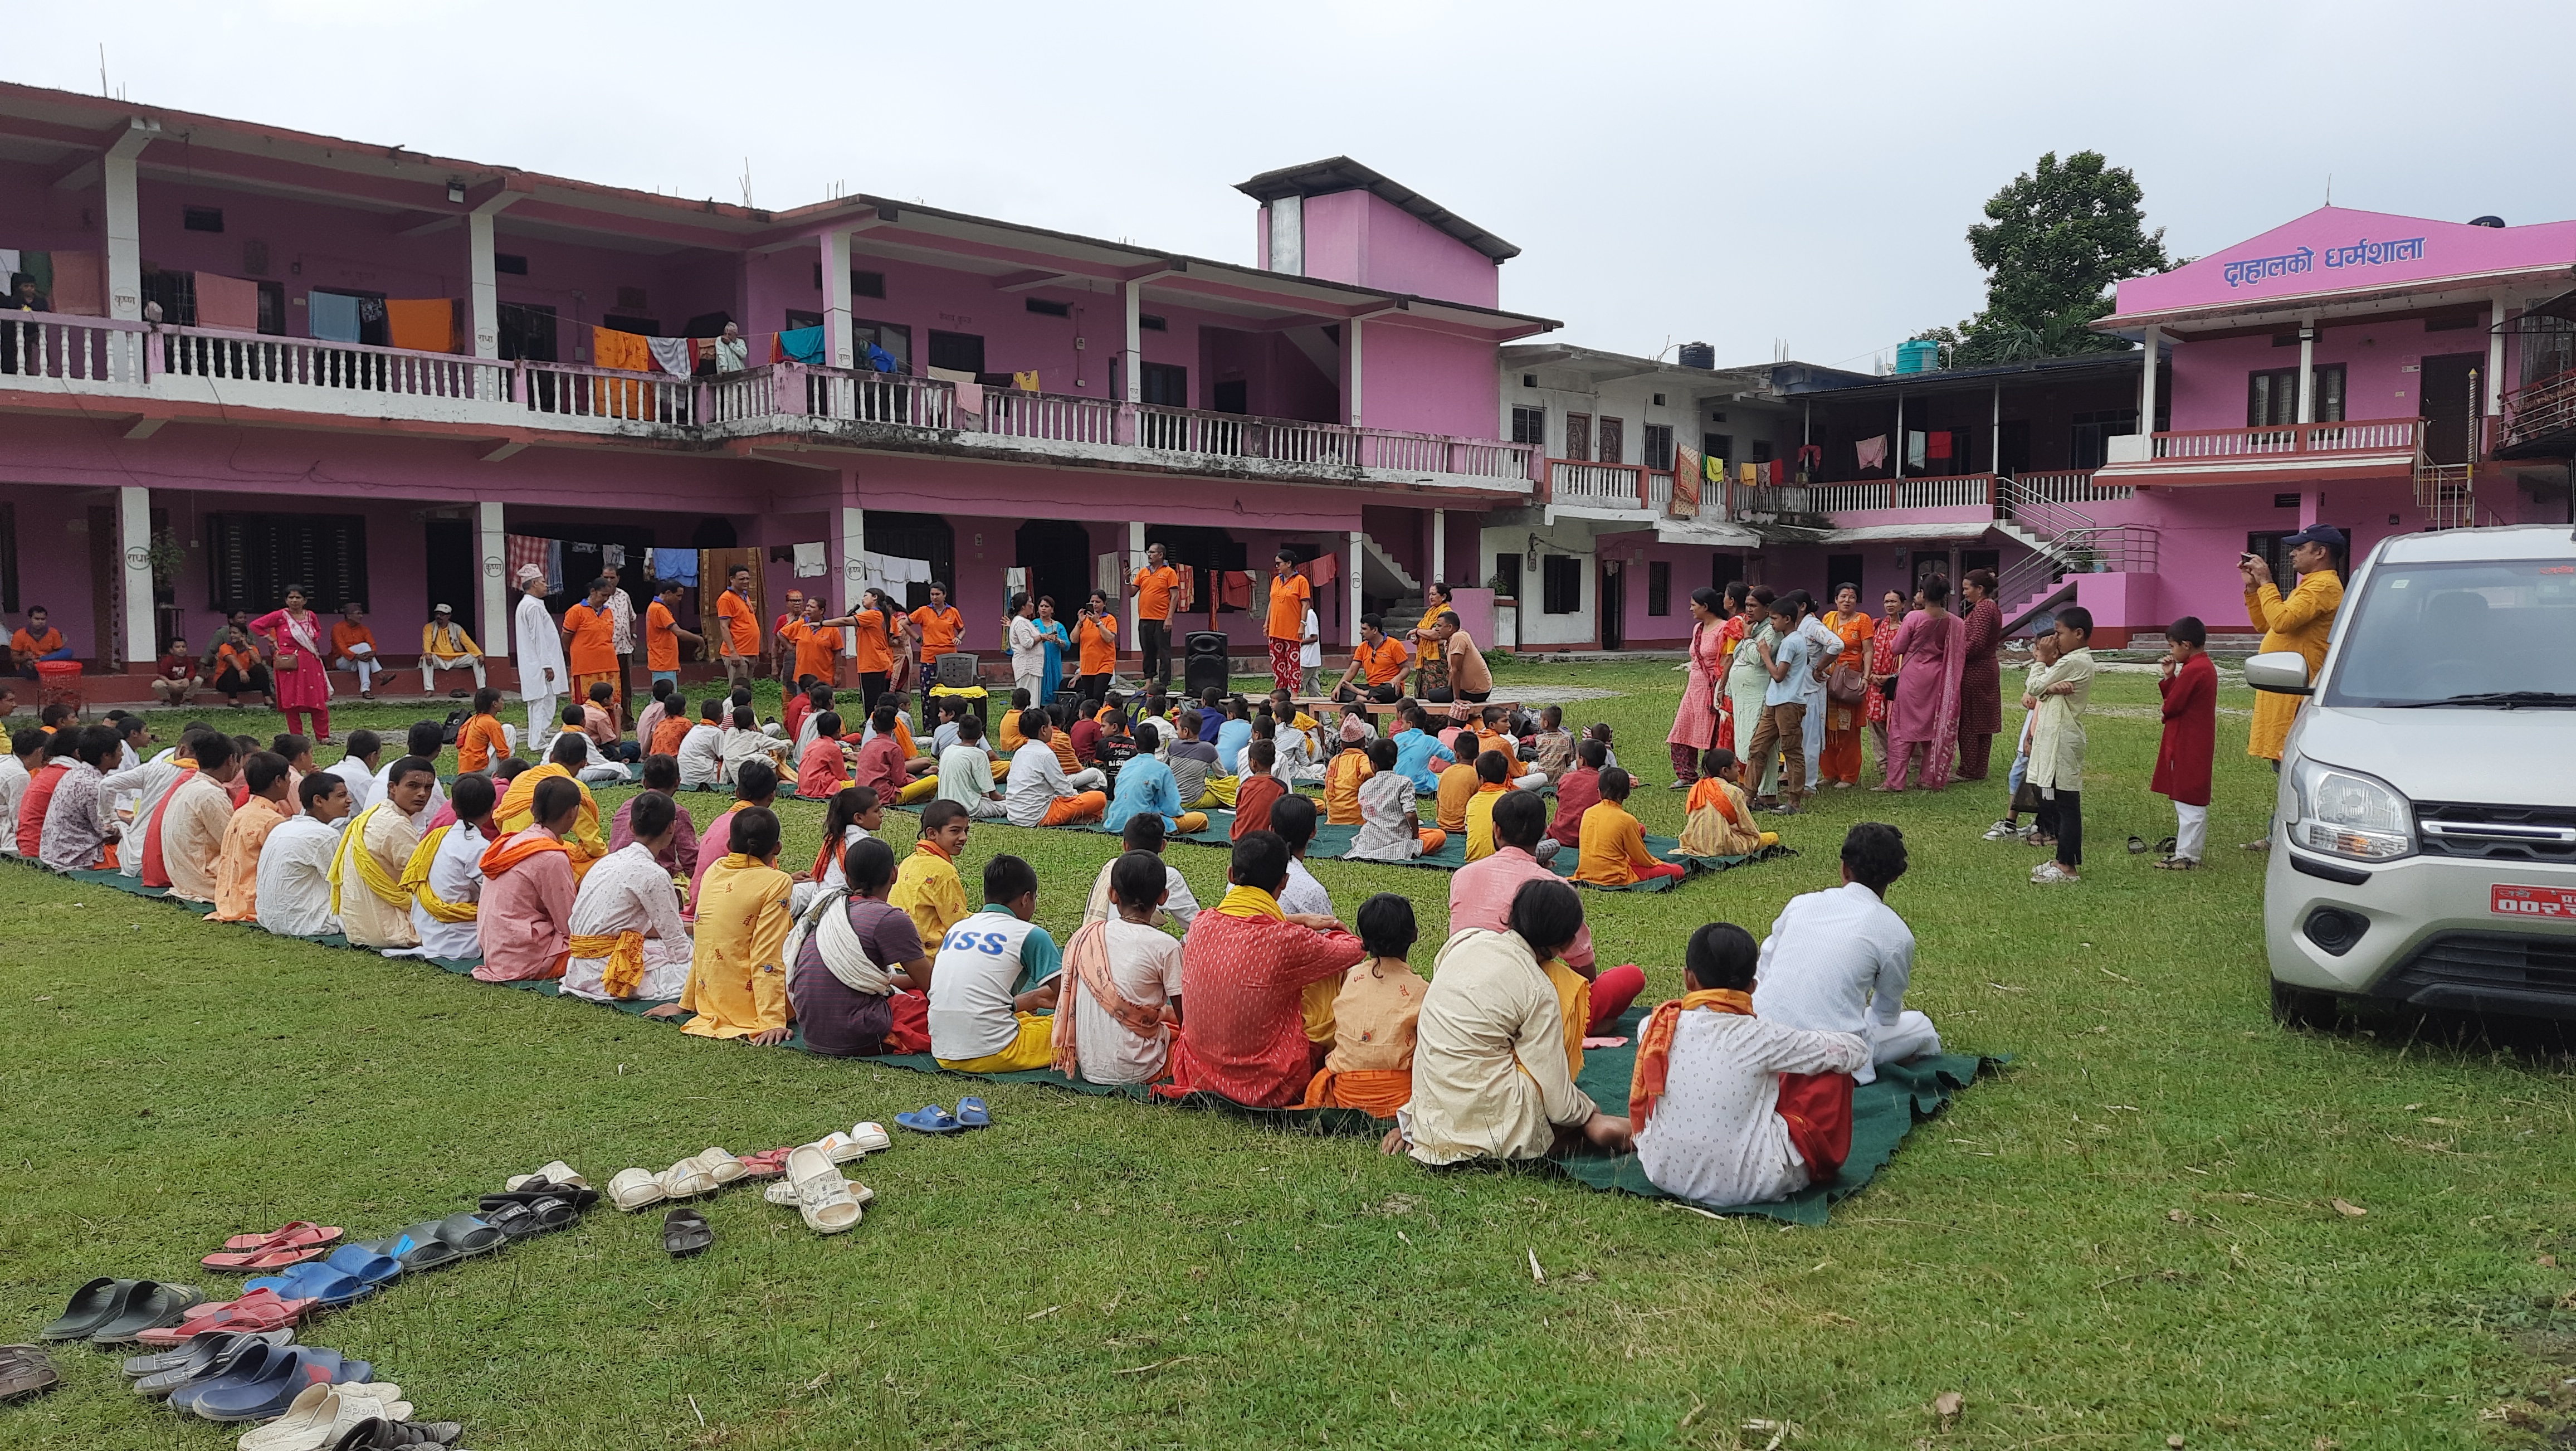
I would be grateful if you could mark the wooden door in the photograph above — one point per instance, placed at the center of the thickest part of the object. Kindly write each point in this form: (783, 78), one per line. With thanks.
(1613, 600)
(1578, 437)
(2447, 403)
(1614, 441)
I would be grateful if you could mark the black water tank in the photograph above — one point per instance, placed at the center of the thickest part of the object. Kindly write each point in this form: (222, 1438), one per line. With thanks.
(1698, 355)
(1203, 665)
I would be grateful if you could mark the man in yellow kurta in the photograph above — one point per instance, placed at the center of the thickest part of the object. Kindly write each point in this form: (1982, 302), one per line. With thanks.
(2301, 621)
(737, 973)
(515, 813)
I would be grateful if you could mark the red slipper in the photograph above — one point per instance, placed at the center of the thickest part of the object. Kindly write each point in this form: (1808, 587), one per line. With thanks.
(767, 1164)
(258, 1310)
(261, 1260)
(294, 1234)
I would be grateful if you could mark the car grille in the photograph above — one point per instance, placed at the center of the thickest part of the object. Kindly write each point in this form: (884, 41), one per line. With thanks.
(2470, 961)
(2496, 833)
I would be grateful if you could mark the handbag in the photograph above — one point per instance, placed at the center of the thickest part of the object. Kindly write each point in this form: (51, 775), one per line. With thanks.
(1846, 686)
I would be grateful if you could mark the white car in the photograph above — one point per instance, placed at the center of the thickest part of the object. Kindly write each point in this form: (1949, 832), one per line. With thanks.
(2424, 843)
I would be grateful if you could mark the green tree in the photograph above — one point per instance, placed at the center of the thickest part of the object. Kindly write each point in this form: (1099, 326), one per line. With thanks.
(2052, 245)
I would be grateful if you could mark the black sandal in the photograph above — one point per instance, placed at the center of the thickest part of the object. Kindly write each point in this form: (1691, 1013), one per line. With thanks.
(685, 1232)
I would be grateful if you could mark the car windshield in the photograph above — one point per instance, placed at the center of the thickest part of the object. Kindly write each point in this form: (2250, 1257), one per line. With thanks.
(2493, 633)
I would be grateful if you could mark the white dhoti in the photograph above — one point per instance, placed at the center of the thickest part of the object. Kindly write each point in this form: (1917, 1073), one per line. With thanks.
(666, 971)
(1912, 1036)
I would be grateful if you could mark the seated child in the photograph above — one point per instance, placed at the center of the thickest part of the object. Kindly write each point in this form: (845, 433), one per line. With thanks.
(883, 766)
(1576, 791)
(1122, 984)
(856, 1003)
(1008, 736)
(1493, 780)
(926, 886)
(1144, 832)
(1600, 731)
(1194, 768)
(1418, 753)
(1390, 829)
(824, 769)
(1712, 1080)
(1720, 817)
(1350, 766)
(1259, 791)
(995, 979)
(599, 719)
(1375, 1013)
(1613, 846)
(1551, 749)
(1457, 783)
(966, 769)
(737, 983)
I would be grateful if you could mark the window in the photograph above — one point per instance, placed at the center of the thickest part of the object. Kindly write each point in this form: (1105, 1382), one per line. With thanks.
(202, 219)
(2085, 447)
(1044, 308)
(1578, 437)
(2285, 501)
(527, 331)
(2452, 322)
(1761, 451)
(1147, 322)
(2272, 397)
(1166, 385)
(177, 294)
(1529, 380)
(796, 318)
(1659, 448)
(1560, 584)
(272, 309)
(511, 262)
(1717, 445)
(862, 284)
(1659, 587)
(895, 338)
(1507, 573)
(650, 327)
(2548, 348)
(252, 558)
(1659, 400)
(961, 352)
(1529, 425)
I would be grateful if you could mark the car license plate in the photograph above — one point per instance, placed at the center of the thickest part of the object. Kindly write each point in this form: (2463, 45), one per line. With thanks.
(2553, 903)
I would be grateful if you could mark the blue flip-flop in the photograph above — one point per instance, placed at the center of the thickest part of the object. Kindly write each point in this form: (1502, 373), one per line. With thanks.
(973, 1113)
(929, 1119)
(367, 1265)
(313, 1280)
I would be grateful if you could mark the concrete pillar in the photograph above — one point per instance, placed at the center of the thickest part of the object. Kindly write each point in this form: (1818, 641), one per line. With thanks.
(2495, 360)
(1354, 621)
(2307, 372)
(125, 220)
(1439, 546)
(492, 630)
(1995, 434)
(838, 349)
(849, 542)
(1131, 357)
(484, 285)
(1352, 333)
(1135, 562)
(134, 548)
(2147, 385)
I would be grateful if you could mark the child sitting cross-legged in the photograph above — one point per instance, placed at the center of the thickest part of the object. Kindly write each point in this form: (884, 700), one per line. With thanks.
(1258, 790)
(1720, 818)
(995, 978)
(1121, 988)
(1391, 828)
(1730, 1108)
(1375, 1015)
(1342, 778)
(1613, 851)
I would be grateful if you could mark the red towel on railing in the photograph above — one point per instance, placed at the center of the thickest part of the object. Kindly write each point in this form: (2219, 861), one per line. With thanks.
(1234, 588)
(1321, 570)
(1937, 444)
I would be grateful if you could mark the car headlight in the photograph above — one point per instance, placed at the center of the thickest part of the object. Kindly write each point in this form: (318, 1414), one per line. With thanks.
(2347, 814)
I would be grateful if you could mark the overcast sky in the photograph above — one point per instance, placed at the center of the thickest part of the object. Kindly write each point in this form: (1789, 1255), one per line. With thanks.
(1671, 172)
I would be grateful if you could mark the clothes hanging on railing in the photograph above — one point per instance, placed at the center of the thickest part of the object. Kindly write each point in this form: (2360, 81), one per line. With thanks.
(331, 317)
(970, 398)
(522, 550)
(625, 351)
(1234, 589)
(675, 356)
(423, 324)
(801, 345)
(810, 561)
(79, 285)
(1938, 444)
(1026, 382)
(879, 359)
(1811, 458)
(1871, 452)
(230, 303)
(1321, 570)
(672, 566)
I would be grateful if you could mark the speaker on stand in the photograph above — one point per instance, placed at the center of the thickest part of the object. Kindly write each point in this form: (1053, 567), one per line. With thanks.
(1204, 662)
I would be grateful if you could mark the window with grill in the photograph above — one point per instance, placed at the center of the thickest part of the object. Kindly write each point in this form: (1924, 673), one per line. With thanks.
(2272, 397)
(1560, 584)
(1165, 385)
(1507, 575)
(962, 352)
(1659, 587)
(1659, 450)
(1529, 425)
(252, 558)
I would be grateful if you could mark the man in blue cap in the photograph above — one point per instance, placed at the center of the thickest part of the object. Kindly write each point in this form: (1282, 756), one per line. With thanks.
(2303, 620)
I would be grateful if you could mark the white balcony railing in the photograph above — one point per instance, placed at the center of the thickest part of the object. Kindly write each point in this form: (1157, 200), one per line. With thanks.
(303, 363)
(1064, 417)
(83, 354)
(2379, 435)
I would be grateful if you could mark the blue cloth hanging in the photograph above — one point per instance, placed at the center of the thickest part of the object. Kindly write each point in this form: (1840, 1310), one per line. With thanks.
(880, 359)
(803, 345)
(332, 317)
(673, 566)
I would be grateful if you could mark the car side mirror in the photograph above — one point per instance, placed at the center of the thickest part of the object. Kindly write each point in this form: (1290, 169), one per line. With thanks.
(2281, 672)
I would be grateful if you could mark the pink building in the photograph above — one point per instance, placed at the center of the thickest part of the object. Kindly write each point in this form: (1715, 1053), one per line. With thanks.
(262, 358)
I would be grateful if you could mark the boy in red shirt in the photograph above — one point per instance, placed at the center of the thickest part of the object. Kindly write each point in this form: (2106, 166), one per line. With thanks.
(2183, 757)
(174, 675)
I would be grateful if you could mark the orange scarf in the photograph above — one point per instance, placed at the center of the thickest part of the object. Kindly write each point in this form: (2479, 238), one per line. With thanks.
(1086, 959)
(924, 843)
(1377, 1092)
(1655, 1046)
(511, 850)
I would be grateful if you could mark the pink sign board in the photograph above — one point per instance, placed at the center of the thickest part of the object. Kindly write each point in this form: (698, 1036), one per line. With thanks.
(2337, 249)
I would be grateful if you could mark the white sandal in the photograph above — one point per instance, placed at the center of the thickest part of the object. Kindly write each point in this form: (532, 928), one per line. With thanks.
(823, 1197)
(871, 1135)
(686, 1179)
(722, 1166)
(634, 1190)
(783, 1194)
(557, 1172)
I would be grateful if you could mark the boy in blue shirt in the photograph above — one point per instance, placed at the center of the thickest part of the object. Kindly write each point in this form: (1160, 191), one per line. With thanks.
(1419, 754)
(1784, 708)
(994, 982)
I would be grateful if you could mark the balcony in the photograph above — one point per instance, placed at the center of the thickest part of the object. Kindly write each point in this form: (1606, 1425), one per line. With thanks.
(190, 372)
(2308, 452)
(2540, 420)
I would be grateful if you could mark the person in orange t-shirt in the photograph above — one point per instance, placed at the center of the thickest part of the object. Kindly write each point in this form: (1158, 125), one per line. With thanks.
(1378, 658)
(1289, 594)
(37, 640)
(353, 647)
(590, 640)
(662, 634)
(873, 627)
(1157, 586)
(1095, 636)
(817, 646)
(482, 740)
(939, 623)
(738, 627)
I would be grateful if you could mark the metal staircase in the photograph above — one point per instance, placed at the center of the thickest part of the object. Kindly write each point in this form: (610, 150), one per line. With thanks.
(2063, 541)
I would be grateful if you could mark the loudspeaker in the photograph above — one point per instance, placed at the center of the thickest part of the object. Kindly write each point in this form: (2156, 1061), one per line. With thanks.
(1204, 663)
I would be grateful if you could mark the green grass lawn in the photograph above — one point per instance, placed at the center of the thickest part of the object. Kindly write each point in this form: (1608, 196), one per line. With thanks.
(2131, 1234)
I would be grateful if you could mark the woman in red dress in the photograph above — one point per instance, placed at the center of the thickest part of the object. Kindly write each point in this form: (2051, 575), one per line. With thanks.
(1882, 668)
(1697, 723)
(301, 686)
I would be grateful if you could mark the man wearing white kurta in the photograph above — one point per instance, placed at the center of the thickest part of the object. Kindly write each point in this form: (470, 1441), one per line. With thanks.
(543, 677)
(1038, 781)
(149, 782)
(456, 878)
(295, 876)
(1717, 1136)
(1838, 961)
(628, 891)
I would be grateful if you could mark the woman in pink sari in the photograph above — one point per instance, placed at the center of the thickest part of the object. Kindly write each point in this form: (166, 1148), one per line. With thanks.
(1924, 716)
(301, 686)
(1696, 724)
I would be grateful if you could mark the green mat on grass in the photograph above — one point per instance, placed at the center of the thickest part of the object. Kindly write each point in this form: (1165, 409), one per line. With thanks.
(1883, 1113)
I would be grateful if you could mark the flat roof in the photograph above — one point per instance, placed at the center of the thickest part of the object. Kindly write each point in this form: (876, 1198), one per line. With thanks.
(2082, 367)
(1340, 173)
